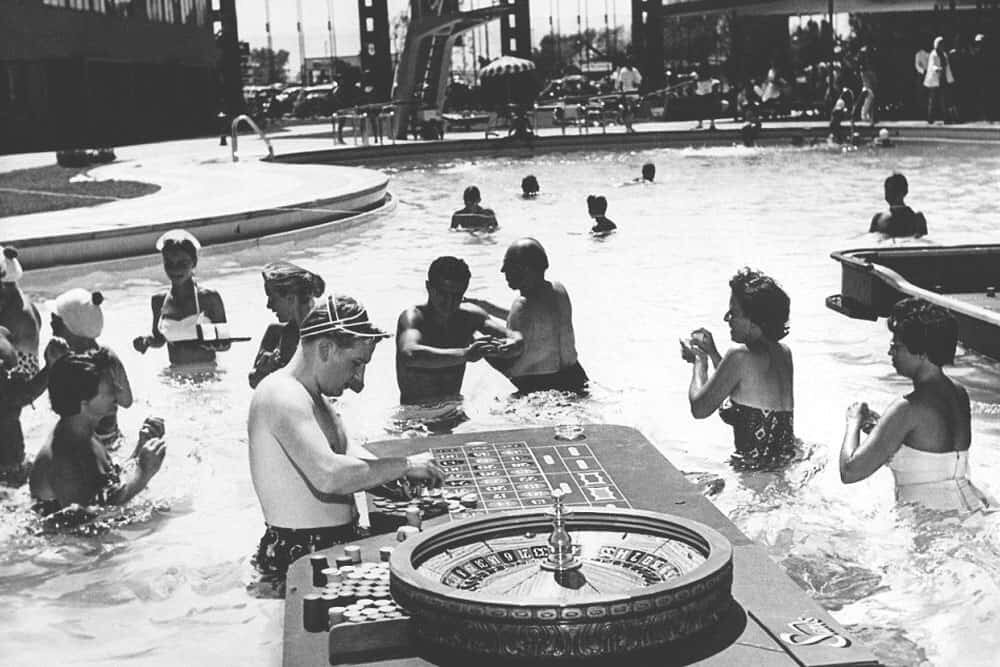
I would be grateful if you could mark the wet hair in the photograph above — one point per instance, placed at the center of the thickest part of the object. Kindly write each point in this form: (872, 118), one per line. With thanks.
(529, 185)
(597, 205)
(925, 329)
(649, 171)
(448, 268)
(75, 378)
(287, 278)
(471, 194)
(896, 183)
(763, 301)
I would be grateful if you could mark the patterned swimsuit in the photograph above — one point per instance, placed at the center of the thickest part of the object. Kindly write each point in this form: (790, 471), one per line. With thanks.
(764, 439)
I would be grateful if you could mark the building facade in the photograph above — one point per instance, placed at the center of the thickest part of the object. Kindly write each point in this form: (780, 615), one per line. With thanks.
(82, 73)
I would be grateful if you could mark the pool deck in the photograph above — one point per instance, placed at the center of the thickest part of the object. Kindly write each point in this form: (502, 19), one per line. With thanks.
(252, 200)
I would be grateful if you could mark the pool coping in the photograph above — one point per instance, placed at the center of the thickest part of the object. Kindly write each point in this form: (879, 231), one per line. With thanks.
(110, 239)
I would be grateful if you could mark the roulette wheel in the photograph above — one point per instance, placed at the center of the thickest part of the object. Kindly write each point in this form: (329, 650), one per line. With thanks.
(563, 585)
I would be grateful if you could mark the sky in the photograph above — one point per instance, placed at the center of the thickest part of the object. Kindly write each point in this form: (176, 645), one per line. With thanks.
(250, 16)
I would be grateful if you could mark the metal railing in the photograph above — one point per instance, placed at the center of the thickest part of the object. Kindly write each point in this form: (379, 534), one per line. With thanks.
(253, 126)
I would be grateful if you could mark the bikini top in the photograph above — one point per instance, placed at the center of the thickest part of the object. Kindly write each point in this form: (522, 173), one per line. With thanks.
(184, 329)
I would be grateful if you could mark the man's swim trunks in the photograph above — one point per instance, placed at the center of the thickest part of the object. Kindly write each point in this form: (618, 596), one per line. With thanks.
(280, 547)
(572, 378)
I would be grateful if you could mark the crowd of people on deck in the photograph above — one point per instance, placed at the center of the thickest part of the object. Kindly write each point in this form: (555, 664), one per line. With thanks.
(304, 468)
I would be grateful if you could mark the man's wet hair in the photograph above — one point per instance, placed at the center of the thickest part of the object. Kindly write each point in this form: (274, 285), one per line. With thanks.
(763, 301)
(648, 171)
(75, 378)
(896, 182)
(471, 194)
(448, 268)
(597, 205)
(529, 185)
(925, 329)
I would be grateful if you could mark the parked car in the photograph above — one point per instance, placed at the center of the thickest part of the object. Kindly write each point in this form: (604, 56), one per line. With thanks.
(316, 101)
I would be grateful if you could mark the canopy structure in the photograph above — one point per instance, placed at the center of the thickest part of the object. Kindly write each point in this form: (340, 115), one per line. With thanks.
(506, 65)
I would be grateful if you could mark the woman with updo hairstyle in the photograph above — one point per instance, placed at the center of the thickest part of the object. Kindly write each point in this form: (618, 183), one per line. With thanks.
(291, 293)
(925, 435)
(180, 310)
(752, 385)
(73, 466)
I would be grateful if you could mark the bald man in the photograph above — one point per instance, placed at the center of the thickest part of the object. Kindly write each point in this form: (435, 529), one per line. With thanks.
(543, 316)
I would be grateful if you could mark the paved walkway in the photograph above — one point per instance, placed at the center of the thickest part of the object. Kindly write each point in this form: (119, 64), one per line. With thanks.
(198, 178)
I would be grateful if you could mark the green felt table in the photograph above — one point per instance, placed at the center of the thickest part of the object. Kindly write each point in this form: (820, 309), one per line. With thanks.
(767, 606)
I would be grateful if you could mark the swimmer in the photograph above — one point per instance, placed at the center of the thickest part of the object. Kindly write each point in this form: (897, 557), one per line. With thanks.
(543, 316)
(901, 220)
(303, 468)
(473, 217)
(291, 293)
(77, 318)
(924, 437)
(752, 385)
(597, 207)
(73, 467)
(529, 187)
(883, 140)
(648, 175)
(21, 325)
(434, 341)
(180, 310)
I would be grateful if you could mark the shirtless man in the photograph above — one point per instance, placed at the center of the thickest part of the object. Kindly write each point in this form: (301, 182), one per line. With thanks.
(472, 216)
(434, 341)
(303, 469)
(543, 316)
(901, 220)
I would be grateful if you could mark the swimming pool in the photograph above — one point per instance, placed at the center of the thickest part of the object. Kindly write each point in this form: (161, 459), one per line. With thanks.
(172, 588)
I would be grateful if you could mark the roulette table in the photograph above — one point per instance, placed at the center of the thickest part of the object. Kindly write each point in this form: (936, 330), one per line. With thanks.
(545, 550)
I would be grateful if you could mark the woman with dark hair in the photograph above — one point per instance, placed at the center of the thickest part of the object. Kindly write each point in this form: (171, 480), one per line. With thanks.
(924, 436)
(291, 293)
(73, 467)
(183, 313)
(752, 385)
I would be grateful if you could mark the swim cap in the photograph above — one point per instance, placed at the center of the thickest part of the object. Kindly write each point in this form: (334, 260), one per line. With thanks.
(181, 238)
(80, 311)
(10, 267)
(292, 277)
(339, 315)
(883, 134)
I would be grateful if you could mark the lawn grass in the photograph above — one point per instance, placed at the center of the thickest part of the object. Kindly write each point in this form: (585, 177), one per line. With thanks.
(48, 189)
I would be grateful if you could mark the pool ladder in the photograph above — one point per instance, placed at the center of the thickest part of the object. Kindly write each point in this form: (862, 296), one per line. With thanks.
(253, 126)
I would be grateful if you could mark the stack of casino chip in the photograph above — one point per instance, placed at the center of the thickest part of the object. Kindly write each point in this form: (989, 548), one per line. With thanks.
(353, 592)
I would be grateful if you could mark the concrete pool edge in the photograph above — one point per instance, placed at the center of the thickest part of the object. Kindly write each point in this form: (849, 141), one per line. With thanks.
(572, 140)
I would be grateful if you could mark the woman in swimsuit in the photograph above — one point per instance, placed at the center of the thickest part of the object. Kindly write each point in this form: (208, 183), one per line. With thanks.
(179, 311)
(924, 436)
(291, 293)
(752, 385)
(21, 324)
(73, 467)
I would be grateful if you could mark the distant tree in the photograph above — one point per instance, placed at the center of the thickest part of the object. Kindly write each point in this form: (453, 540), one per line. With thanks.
(268, 66)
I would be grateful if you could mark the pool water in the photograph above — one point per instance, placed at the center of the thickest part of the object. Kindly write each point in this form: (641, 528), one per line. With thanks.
(171, 586)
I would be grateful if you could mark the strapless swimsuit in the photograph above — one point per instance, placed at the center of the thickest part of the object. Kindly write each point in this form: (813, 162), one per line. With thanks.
(938, 480)
(763, 438)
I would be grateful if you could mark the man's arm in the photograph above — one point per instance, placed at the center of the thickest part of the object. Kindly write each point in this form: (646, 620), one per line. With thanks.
(491, 308)
(284, 416)
(567, 338)
(513, 343)
(409, 344)
(921, 225)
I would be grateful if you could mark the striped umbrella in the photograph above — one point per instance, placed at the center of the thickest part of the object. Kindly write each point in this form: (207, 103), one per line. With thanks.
(506, 65)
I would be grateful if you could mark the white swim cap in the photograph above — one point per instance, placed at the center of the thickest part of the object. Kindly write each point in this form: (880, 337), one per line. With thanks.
(883, 134)
(10, 267)
(80, 311)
